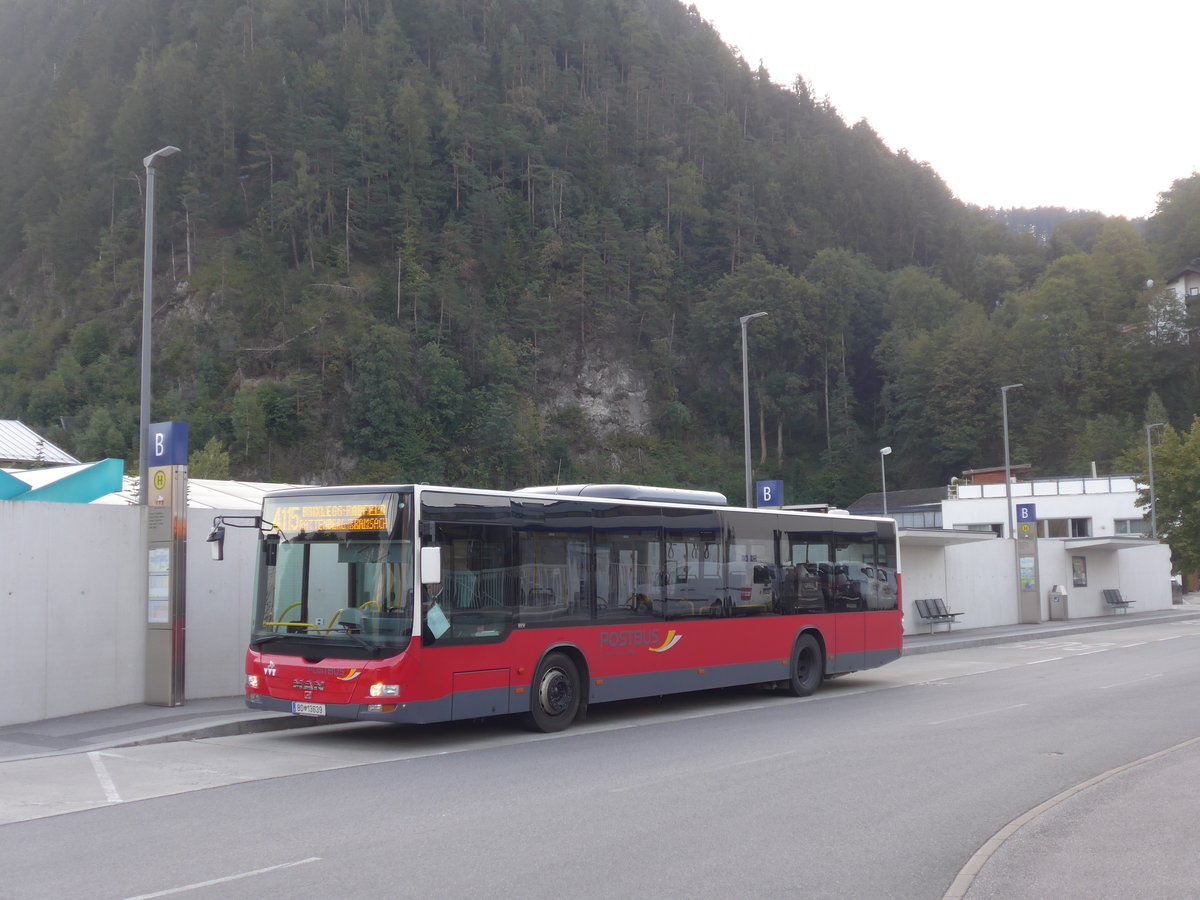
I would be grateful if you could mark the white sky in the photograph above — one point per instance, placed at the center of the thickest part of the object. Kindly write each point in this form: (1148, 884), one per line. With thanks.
(1084, 105)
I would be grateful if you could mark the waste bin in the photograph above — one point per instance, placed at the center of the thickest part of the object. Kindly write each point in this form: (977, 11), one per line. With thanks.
(1058, 603)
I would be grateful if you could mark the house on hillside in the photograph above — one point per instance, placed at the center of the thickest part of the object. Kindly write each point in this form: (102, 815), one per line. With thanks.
(1185, 281)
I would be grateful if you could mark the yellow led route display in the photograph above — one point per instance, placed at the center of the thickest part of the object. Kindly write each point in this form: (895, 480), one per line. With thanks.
(349, 513)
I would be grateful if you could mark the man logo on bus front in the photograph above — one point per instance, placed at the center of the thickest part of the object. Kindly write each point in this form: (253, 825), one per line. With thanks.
(270, 668)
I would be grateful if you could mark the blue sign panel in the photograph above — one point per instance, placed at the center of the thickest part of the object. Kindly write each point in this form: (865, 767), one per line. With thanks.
(168, 444)
(770, 493)
(1026, 512)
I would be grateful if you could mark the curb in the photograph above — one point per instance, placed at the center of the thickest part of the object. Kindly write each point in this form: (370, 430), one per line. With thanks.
(257, 725)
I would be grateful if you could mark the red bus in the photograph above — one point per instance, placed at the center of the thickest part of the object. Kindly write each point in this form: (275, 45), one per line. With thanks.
(423, 604)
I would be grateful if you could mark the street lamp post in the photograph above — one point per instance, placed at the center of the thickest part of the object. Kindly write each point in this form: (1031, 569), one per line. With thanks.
(151, 163)
(1150, 466)
(884, 452)
(1007, 467)
(746, 401)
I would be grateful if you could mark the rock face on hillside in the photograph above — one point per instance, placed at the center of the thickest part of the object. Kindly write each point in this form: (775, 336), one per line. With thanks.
(610, 393)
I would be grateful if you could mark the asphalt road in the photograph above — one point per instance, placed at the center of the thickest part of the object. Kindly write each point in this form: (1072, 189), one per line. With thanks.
(883, 785)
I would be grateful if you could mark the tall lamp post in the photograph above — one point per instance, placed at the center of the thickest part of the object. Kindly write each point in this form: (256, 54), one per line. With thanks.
(884, 452)
(746, 401)
(1150, 465)
(1007, 467)
(151, 163)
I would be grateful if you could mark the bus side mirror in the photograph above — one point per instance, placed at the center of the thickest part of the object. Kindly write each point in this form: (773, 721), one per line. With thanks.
(431, 565)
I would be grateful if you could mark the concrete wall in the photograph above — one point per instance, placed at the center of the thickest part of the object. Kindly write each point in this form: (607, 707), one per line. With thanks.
(72, 609)
(219, 602)
(1141, 574)
(978, 579)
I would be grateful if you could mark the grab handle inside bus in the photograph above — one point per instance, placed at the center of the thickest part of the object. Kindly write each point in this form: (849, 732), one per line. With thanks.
(431, 565)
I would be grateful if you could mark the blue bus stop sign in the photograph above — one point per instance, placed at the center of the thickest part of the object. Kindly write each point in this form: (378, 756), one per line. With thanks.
(169, 444)
(770, 493)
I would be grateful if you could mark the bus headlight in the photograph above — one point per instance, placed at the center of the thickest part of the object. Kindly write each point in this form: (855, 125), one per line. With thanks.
(252, 681)
(385, 690)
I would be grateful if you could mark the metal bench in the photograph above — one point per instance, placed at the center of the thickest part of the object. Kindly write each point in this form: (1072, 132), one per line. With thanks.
(1114, 600)
(934, 612)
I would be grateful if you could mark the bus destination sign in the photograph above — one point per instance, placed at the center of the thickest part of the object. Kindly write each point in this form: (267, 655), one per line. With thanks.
(327, 514)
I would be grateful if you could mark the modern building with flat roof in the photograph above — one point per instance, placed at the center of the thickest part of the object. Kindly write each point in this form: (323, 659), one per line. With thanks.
(1092, 534)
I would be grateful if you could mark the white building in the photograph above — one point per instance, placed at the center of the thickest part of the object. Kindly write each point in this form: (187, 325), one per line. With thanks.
(1093, 536)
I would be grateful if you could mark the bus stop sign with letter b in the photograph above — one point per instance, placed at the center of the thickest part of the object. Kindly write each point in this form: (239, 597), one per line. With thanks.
(770, 493)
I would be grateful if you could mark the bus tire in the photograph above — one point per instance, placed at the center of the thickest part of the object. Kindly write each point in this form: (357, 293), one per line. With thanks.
(808, 667)
(556, 694)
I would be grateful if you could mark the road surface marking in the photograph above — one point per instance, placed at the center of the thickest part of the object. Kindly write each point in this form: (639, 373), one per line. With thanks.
(225, 880)
(106, 782)
(704, 770)
(986, 712)
(1105, 687)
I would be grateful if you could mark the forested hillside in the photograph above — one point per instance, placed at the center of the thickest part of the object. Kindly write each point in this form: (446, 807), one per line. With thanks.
(504, 242)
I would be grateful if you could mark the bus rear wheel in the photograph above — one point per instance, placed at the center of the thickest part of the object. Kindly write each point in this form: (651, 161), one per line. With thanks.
(556, 694)
(808, 667)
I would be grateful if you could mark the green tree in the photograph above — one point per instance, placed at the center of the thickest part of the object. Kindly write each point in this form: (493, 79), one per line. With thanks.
(1174, 230)
(210, 461)
(1177, 494)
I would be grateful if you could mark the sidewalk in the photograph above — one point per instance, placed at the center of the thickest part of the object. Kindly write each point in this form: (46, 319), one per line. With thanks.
(959, 638)
(129, 726)
(126, 726)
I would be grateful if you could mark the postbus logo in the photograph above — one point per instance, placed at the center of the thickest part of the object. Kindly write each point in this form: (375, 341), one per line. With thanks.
(669, 641)
(650, 638)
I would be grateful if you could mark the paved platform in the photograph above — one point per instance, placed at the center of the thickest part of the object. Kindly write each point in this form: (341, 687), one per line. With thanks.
(127, 726)
(958, 638)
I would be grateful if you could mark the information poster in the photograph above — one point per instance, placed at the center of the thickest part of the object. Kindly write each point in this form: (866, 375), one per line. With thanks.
(159, 587)
(1028, 573)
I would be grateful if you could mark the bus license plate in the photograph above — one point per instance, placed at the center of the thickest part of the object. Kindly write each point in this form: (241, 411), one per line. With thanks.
(308, 709)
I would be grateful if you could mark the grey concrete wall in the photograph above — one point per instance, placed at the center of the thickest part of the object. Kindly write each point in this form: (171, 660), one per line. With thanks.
(1141, 574)
(72, 609)
(219, 600)
(978, 580)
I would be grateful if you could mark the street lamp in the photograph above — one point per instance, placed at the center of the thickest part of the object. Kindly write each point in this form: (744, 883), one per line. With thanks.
(746, 400)
(1150, 464)
(1007, 468)
(884, 451)
(151, 163)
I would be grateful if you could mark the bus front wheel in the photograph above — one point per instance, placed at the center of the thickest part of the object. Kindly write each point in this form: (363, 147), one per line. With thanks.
(807, 668)
(556, 694)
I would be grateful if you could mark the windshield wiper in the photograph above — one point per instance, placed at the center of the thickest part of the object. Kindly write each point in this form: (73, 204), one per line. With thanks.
(268, 638)
(362, 642)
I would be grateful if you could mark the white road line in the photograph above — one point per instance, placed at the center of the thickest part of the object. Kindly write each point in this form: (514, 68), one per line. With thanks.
(1039, 661)
(1105, 687)
(986, 712)
(225, 880)
(106, 782)
(704, 770)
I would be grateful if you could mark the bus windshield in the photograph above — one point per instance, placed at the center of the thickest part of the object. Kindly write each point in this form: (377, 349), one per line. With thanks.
(335, 576)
